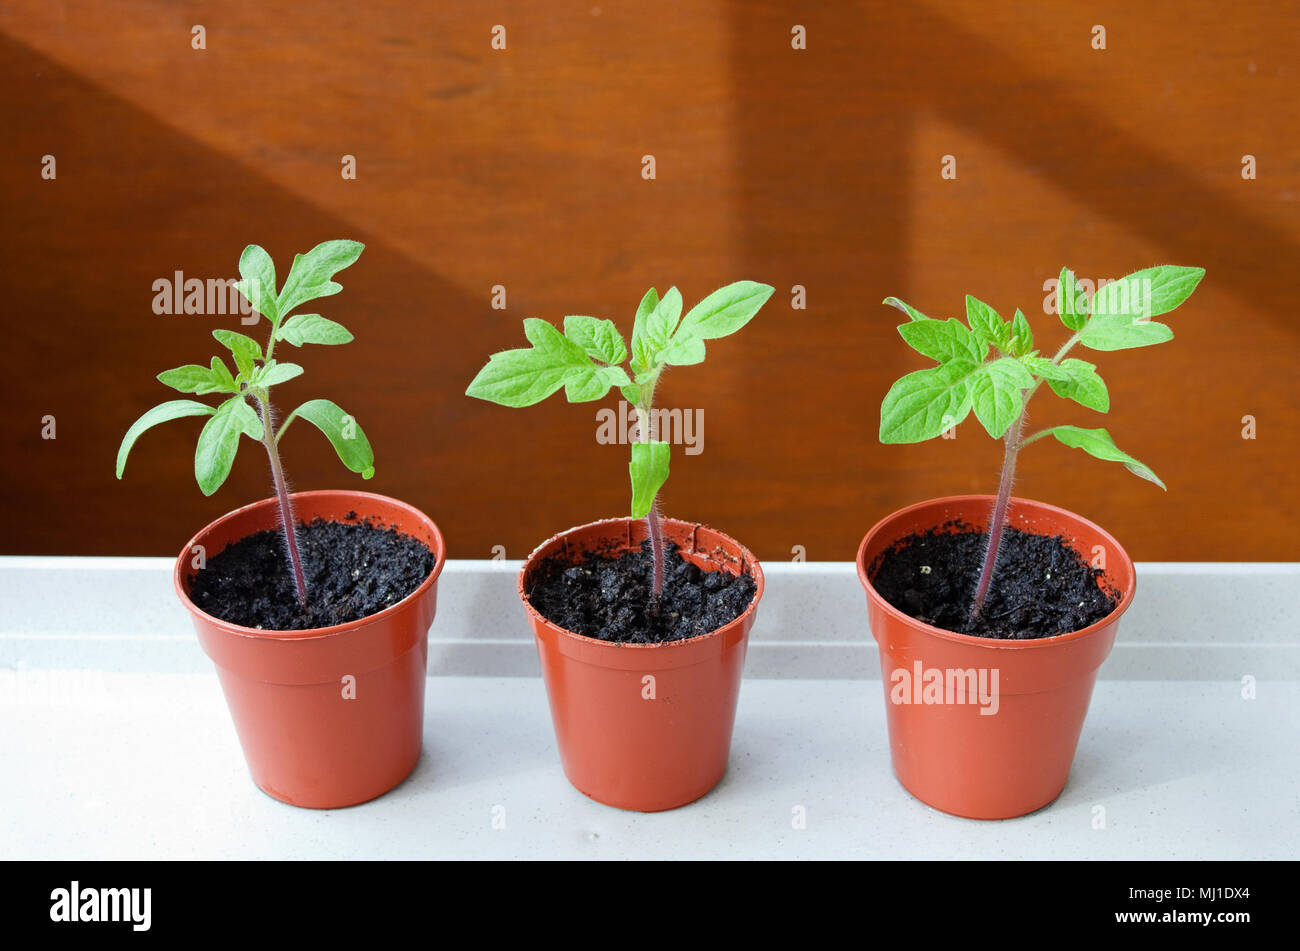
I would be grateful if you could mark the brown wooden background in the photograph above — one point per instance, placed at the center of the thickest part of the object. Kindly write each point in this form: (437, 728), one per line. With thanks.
(522, 167)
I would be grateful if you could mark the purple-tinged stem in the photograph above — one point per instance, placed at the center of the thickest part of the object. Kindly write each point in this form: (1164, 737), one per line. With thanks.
(1012, 450)
(286, 506)
(656, 553)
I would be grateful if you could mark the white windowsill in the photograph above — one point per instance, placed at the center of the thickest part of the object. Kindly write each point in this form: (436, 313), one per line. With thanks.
(116, 742)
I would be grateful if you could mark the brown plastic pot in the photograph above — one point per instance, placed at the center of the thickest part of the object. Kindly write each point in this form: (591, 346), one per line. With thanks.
(950, 755)
(645, 727)
(307, 743)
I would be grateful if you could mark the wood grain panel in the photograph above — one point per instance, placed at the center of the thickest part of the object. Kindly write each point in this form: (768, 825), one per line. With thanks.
(522, 167)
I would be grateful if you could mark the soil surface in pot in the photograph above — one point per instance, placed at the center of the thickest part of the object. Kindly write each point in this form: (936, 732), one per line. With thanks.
(353, 570)
(1041, 586)
(608, 598)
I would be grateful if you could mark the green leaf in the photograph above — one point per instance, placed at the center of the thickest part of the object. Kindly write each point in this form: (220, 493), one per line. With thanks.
(518, 378)
(257, 271)
(162, 413)
(343, 432)
(654, 326)
(192, 378)
(726, 310)
(1122, 310)
(640, 354)
(943, 340)
(683, 351)
(219, 442)
(582, 385)
(1147, 293)
(1116, 334)
(987, 323)
(527, 376)
(649, 471)
(246, 350)
(310, 276)
(1081, 384)
(1071, 303)
(616, 376)
(221, 373)
(588, 382)
(631, 394)
(1097, 442)
(923, 404)
(274, 373)
(1022, 338)
(1043, 367)
(996, 394)
(542, 335)
(598, 338)
(312, 328)
(905, 308)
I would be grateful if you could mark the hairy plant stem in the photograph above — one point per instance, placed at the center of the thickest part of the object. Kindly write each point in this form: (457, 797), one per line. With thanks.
(1013, 442)
(656, 553)
(654, 529)
(287, 523)
(1012, 449)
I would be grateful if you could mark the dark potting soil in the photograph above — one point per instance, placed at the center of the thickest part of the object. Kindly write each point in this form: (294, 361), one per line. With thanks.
(1041, 586)
(353, 570)
(608, 598)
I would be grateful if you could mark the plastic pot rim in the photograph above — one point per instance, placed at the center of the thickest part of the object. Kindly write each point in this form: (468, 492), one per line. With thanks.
(994, 643)
(178, 574)
(748, 562)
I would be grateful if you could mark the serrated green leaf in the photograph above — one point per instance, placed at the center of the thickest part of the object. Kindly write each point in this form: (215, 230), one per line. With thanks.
(908, 309)
(1117, 334)
(640, 350)
(343, 432)
(192, 378)
(1147, 293)
(1097, 442)
(1043, 367)
(616, 376)
(996, 392)
(1071, 303)
(274, 373)
(726, 310)
(648, 471)
(518, 378)
(1081, 384)
(221, 373)
(582, 385)
(524, 377)
(683, 351)
(543, 335)
(1022, 338)
(631, 394)
(987, 323)
(588, 382)
(923, 404)
(598, 338)
(312, 328)
(245, 349)
(257, 284)
(310, 276)
(653, 327)
(943, 340)
(219, 442)
(162, 413)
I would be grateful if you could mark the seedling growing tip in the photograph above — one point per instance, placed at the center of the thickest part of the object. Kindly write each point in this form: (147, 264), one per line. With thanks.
(587, 360)
(247, 410)
(992, 367)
